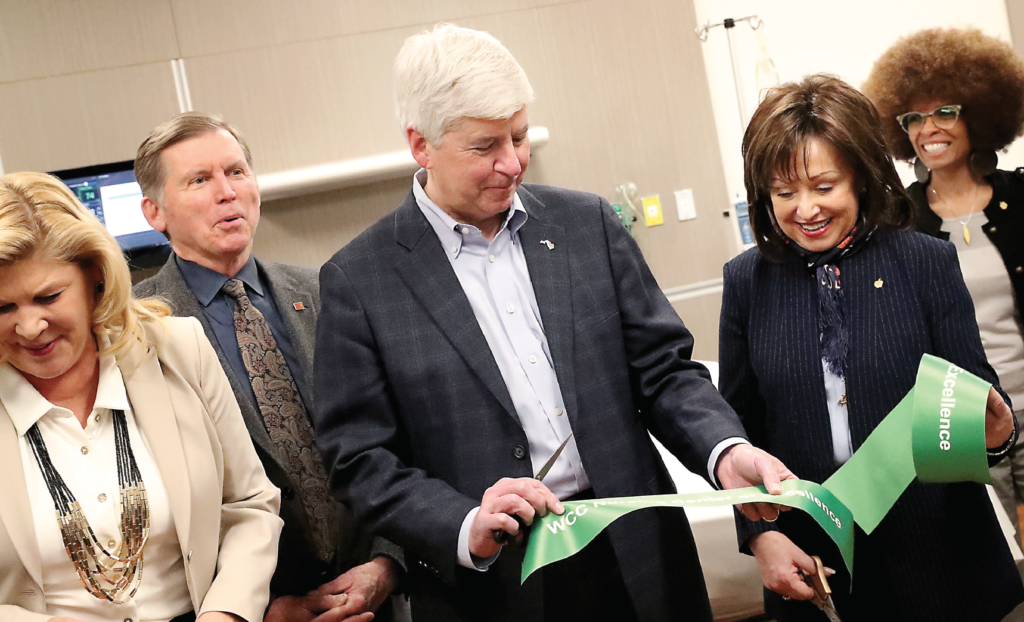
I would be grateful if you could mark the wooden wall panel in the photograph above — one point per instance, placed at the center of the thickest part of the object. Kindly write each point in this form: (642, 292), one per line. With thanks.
(285, 233)
(318, 101)
(1015, 13)
(701, 317)
(621, 88)
(206, 28)
(40, 38)
(84, 118)
(305, 103)
(635, 107)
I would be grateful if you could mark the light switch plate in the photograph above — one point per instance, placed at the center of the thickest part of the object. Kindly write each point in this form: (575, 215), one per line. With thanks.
(685, 204)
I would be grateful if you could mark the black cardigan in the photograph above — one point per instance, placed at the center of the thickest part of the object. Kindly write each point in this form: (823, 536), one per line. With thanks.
(1005, 226)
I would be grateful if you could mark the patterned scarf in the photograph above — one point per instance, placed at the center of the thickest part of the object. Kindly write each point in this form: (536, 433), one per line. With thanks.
(835, 340)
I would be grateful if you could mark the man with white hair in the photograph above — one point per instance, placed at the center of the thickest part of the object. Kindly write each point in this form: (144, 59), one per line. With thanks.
(468, 334)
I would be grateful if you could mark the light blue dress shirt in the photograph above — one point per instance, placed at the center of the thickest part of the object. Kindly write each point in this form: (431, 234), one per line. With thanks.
(496, 280)
(838, 414)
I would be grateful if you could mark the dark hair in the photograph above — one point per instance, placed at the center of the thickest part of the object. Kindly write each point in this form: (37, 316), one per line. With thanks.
(959, 66)
(823, 107)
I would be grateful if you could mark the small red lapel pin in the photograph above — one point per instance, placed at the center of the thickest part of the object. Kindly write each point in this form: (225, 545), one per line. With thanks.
(298, 306)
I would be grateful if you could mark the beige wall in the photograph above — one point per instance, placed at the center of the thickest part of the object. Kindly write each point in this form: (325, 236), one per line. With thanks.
(620, 86)
(1015, 13)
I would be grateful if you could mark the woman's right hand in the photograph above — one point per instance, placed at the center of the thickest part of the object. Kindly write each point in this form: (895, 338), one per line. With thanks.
(782, 565)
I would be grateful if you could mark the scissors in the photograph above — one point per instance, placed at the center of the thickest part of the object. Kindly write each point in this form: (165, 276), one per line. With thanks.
(501, 536)
(822, 592)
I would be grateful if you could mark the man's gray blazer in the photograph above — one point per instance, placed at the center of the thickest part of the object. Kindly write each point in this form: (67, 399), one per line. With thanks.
(415, 422)
(298, 569)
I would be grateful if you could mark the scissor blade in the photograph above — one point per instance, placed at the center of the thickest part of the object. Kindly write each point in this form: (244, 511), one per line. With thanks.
(830, 610)
(500, 536)
(822, 591)
(551, 461)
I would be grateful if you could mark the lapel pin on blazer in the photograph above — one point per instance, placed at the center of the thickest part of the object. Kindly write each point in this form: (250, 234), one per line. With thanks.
(298, 306)
(548, 243)
(879, 283)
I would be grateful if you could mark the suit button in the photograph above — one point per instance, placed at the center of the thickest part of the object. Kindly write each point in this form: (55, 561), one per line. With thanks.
(520, 452)
(992, 230)
(288, 493)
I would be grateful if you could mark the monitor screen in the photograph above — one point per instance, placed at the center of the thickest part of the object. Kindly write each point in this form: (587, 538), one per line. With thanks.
(112, 194)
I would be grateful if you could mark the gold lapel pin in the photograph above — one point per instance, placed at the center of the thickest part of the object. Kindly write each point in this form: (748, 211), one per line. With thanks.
(1003, 205)
(298, 306)
(549, 244)
(879, 283)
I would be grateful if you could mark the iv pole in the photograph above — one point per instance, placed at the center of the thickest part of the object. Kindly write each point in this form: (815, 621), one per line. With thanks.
(729, 24)
(755, 23)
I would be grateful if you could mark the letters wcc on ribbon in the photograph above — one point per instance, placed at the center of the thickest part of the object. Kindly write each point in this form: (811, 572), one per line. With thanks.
(936, 434)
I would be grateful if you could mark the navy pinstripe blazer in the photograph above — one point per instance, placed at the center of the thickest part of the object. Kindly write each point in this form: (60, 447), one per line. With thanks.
(939, 555)
(415, 422)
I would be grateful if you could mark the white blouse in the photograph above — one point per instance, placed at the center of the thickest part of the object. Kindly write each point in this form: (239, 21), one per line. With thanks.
(86, 460)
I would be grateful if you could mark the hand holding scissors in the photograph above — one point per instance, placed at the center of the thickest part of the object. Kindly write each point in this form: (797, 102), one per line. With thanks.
(509, 506)
(501, 536)
(822, 592)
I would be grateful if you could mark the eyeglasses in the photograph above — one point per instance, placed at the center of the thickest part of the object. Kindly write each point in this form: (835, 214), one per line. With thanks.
(944, 117)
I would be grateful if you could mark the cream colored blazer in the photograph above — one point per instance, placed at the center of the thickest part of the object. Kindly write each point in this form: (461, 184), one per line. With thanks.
(223, 505)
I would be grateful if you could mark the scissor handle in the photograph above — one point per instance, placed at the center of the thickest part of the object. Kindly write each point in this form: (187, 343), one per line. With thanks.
(502, 537)
(818, 580)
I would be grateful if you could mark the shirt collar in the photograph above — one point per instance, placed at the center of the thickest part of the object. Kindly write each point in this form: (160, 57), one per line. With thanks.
(25, 405)
(206, 283)
(450, 231)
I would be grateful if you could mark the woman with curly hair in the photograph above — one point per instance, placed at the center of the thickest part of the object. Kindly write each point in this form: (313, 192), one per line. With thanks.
(949, 99)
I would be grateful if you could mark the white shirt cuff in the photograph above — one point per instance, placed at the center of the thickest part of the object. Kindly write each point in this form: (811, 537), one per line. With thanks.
(466, 560)
(712, 461)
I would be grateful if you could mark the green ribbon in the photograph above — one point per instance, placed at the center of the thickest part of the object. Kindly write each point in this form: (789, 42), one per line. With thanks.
(936, 434)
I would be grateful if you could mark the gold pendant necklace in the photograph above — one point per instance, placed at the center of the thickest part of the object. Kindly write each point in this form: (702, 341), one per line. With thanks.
(963, 223)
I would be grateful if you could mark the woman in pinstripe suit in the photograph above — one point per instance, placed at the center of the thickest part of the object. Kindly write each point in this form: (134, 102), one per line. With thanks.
(823, 326)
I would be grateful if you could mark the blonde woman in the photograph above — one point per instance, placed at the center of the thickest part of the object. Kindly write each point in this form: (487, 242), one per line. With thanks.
(120, 440)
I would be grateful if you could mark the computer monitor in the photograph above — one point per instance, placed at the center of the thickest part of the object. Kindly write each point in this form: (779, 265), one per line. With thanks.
(112, 194)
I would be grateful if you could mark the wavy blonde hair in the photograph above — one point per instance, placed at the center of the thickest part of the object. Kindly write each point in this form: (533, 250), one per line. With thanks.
(39, 215)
